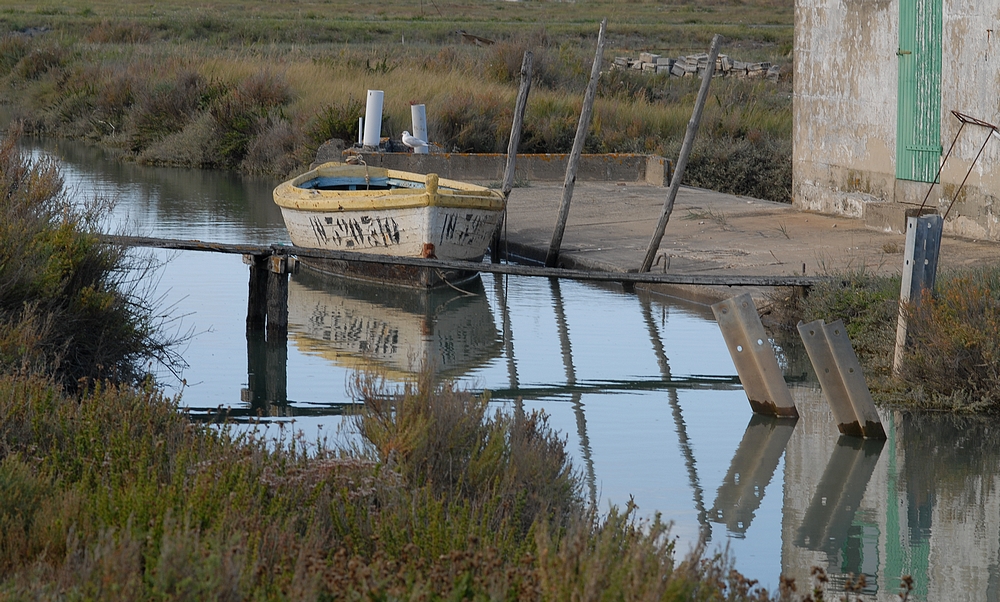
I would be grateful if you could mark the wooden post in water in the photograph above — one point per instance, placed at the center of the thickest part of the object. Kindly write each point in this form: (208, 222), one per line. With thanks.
(753, 356)
(686, 146)
(512, 144)
(277, 296)
(257, 300)
(267, 303)
(552, 258)
(840, 376)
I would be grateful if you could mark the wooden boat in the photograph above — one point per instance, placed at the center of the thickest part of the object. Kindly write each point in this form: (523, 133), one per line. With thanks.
(364, 209)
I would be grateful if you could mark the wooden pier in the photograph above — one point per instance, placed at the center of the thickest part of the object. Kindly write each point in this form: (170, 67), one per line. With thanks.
(623, 277)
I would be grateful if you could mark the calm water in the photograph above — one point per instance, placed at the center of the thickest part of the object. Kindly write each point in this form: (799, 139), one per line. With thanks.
(641, 386)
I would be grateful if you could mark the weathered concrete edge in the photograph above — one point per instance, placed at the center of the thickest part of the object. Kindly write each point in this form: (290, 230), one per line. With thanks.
(487, 167)
(705, 295)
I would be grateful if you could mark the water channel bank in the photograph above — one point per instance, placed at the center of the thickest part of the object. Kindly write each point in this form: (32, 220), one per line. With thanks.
(641, 385)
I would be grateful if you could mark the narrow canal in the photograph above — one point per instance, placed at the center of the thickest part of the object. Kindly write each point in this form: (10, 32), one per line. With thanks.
(641, 386)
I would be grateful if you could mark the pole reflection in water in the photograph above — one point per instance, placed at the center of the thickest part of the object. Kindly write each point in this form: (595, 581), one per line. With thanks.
(500, 288)
(829, 520)
(682, 438)
(750, 472)
(267, 374)
(577, 397)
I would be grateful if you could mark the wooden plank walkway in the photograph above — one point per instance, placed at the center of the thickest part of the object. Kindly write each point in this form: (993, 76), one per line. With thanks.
(492, 268)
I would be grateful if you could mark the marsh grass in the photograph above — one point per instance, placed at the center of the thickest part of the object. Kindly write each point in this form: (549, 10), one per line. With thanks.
(953, 353)
(122, 80)
(117, 495)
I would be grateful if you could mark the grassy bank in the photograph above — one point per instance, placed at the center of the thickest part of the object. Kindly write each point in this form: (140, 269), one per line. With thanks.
(258, 87)
(953, 356)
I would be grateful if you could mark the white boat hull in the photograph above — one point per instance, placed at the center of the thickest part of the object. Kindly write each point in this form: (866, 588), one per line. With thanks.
(355, 208)
(441, 232)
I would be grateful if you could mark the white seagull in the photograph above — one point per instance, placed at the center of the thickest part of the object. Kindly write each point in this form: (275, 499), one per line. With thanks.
(412, 141)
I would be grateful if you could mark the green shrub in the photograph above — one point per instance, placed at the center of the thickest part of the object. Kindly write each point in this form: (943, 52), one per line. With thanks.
(69, 305)
(166, 108)
(757, 166)
(242, 114)
(336, 121)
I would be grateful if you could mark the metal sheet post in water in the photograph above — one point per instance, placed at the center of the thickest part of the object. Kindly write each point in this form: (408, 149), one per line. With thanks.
(754, 357)
(923, 245)
(841, 378)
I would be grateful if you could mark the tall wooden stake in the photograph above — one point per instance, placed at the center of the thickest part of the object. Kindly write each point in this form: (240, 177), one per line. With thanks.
(689, 136)
(512, 144)
(552, 257)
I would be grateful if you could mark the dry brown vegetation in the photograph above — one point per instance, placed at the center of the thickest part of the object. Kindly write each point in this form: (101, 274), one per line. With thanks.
(259, 86)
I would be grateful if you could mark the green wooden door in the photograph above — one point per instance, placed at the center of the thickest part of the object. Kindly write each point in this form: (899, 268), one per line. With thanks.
(918, 127)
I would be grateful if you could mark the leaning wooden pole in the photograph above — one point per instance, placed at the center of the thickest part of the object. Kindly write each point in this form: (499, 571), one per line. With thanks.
(512, 144)
(689, 136)
(552, 257)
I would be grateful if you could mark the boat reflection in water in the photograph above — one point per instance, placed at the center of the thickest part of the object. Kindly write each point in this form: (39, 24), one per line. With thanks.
(399, 331)
(356, 325)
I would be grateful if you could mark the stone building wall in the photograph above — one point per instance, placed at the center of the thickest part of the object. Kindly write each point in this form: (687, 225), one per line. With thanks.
(845, 113)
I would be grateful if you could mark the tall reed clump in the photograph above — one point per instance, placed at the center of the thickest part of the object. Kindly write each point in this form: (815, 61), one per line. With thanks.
(71, 307)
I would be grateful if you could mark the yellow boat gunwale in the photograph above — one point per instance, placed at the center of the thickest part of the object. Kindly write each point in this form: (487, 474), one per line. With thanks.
(449, 193)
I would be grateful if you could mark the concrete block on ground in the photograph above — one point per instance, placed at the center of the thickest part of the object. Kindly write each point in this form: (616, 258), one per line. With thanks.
(488, 167)
(678, 69)
(648, 57)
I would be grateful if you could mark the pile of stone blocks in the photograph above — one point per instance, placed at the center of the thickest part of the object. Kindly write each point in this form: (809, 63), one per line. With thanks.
(695, 65)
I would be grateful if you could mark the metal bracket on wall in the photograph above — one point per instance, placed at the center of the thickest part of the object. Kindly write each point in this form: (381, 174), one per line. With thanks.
(754, 357)
(841, 379)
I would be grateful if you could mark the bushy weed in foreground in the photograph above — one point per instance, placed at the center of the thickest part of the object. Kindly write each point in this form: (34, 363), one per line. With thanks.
(117, 495)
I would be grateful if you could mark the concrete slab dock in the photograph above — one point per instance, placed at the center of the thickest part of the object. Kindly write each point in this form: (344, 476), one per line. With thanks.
(610, 225)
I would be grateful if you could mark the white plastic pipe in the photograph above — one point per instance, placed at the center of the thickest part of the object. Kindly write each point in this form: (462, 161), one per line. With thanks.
(418, 116)
(373, 118)
(361, 130)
